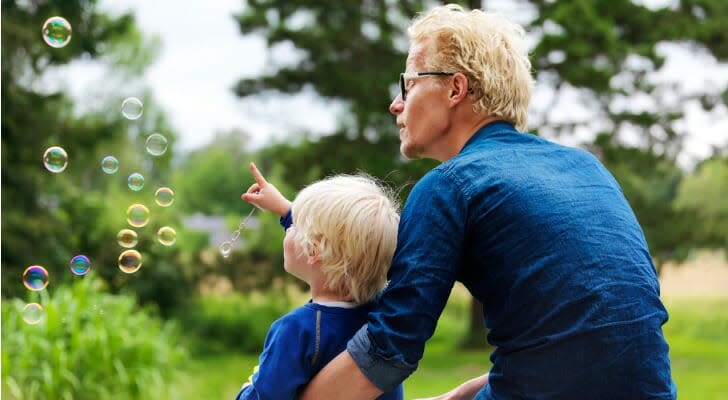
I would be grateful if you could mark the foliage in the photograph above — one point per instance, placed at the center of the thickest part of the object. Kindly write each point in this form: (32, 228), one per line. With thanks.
(47, 217)
(704, 195)
(233, 322)
(608, 53)
(211, 179)
(89, 345)
(333, 43)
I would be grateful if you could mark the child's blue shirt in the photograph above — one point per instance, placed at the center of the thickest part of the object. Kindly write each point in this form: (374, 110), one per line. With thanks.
(299, 344)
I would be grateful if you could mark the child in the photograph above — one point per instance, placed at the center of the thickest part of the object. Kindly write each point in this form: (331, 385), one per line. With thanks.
(341, 233)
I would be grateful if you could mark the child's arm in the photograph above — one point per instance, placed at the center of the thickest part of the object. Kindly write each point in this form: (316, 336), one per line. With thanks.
(265, 195)
(283, 365)
(466, 391)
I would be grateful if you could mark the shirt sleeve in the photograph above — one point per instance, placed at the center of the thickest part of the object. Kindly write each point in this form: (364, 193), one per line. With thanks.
(426, 264)
(287, 220)
(283, 364)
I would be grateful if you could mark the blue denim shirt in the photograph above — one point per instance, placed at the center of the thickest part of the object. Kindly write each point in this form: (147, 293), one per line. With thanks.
(542, 235)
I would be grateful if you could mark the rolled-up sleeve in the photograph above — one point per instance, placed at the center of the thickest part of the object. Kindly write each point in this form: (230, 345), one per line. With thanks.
(426, 263)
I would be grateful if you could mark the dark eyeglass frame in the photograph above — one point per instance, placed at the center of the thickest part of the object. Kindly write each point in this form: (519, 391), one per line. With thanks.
(411, 75)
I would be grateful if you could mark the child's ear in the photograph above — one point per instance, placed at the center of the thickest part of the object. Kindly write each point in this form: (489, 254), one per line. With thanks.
(313, 256)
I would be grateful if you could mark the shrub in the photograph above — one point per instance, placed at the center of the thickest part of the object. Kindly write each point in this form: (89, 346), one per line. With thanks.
(234, 322)
(89, 345)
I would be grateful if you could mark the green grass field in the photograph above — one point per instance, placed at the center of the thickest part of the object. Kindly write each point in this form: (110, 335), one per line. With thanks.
(697, 333)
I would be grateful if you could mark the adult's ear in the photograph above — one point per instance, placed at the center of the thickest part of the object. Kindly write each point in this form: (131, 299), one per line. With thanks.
(459, 88)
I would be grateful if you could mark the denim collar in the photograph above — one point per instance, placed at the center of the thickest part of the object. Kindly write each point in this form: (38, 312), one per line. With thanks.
(487, 130)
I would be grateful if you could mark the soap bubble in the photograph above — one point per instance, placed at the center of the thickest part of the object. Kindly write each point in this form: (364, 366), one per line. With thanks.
(226, 248)
(136, 181)
(156, 144)
(127, 238)
(132, 108)
(80, 265)
(166, 235)
(32, 313)
(35, 278)
(55, 159)
(164, 196)
(110, 165)
(130, 261)
(137, 215)
(56, 32)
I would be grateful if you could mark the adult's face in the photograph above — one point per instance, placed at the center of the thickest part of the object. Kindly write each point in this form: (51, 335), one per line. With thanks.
(424, 118)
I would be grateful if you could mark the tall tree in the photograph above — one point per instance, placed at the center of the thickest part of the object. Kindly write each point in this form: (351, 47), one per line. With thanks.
(49, 217)
(602, 53)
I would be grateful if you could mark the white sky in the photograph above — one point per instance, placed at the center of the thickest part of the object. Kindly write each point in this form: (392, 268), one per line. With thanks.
(203, 55)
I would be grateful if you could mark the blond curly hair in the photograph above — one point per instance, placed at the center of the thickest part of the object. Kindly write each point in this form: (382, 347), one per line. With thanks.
(351, 223)
(489, 49)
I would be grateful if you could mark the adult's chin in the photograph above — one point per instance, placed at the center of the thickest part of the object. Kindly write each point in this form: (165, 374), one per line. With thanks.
(408, 151)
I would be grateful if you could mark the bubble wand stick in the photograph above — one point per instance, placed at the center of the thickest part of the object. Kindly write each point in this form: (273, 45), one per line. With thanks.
(226, 248)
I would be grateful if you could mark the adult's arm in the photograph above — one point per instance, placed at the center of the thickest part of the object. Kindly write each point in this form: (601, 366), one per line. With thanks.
(327, 384)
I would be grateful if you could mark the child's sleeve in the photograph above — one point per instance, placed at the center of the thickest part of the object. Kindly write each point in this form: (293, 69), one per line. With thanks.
(284, 366)
(287, 220)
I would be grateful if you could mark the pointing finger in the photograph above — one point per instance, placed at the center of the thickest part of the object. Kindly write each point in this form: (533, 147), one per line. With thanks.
(257, 175)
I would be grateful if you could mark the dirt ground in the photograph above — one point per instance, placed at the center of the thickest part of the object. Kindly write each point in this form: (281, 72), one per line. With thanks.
(704, 275)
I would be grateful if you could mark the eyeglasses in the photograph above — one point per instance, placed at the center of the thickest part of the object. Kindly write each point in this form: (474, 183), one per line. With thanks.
(412, 75)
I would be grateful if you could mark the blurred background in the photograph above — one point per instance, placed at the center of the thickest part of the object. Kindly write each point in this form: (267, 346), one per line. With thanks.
(302, 89)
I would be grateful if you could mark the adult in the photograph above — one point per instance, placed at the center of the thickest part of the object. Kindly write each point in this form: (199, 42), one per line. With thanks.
(540, 233)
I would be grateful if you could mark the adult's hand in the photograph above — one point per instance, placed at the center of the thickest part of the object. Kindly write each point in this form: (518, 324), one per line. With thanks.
(466, 391)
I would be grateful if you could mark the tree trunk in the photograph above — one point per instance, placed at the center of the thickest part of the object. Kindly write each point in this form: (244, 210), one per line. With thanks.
(476, 335)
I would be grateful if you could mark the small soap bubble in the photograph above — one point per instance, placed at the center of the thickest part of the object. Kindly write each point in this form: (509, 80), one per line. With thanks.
(109, 165)
(55, 159)
(32, 313)
(132, 108)
(127, 238)
(226, 248)
(56, 32)
(156, 144)
(35, 278)
(164, 196)
(135, 181)
(80, 265)
(137, 215)
(166, 235)
(130, 261)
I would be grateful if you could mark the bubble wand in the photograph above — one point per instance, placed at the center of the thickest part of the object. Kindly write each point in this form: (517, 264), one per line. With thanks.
(226, 248)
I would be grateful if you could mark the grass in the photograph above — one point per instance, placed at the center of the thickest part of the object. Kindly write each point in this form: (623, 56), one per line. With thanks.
(697, 333)
(698, 336)
(214, 377)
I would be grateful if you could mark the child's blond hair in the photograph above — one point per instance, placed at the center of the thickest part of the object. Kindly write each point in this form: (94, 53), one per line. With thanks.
(350, 222)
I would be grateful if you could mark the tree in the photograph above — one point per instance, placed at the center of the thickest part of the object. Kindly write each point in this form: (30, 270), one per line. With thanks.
(604, 52)
(703, 194)
(49, 217)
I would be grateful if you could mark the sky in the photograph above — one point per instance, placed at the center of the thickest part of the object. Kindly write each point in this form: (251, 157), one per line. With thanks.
(193, 76)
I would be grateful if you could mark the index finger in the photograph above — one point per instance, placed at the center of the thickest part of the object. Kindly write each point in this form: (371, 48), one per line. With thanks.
(257, 175)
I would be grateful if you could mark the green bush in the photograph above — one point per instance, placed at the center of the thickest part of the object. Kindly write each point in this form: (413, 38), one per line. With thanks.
(89, 345)
(234, 322)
